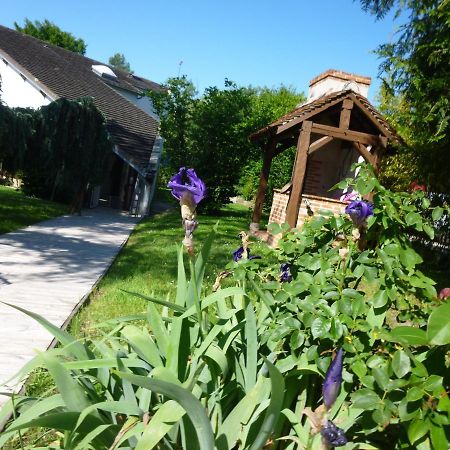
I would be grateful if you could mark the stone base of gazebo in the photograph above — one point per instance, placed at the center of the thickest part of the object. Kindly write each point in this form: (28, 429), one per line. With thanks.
(314, 205)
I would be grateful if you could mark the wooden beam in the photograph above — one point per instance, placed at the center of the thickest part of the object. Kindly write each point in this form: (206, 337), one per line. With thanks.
(305, 116)
(263, 181)
(362, 150)
(298, 174)
(346, 111)
(346, 135)
(371, 117)
(324, 140)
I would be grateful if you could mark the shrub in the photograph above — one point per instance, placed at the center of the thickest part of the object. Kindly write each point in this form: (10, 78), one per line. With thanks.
(243, 367)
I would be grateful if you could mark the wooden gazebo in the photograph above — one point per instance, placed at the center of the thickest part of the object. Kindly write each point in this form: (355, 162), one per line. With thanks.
(331, 131)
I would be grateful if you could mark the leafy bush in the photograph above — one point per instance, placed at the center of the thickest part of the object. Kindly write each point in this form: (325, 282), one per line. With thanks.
(367, 295)
(243, 367)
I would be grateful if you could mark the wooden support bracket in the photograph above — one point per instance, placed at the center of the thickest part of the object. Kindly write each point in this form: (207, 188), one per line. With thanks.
(298, 174)
(263, 181)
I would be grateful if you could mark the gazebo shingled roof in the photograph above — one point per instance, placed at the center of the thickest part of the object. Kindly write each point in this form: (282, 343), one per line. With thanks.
(306, 110)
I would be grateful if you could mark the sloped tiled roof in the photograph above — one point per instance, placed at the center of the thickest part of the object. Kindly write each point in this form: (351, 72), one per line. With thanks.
(67, 74)
(308, 110)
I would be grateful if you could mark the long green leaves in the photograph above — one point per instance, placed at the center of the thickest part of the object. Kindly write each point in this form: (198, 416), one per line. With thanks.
(190, 404)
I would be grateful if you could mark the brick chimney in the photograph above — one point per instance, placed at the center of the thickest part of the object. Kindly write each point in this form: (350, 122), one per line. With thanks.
(336, 80)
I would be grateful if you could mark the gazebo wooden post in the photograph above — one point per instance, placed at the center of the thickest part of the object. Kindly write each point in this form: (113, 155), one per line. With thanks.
(298, 174)
(346, 111)
(263, 181)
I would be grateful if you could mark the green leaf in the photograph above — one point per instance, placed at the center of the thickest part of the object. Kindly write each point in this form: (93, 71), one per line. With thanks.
(438, 329)
(409, 258)
(409, 336)
(229, 432)
(320, 327)
(62, 421)
(170, 305)
(158, 328)
(414, 393)
(161, 423)
(274, 409)
(180, 299)
(194, 409)
(72, 393)
(89, 437)
(438, 437)
(437, 213)
(32, 412)
(380, 298)
(412, 218)
(387, 261)
(401, 363)
(251, 338)
(365, 399)
(429, 230)
(142, 344)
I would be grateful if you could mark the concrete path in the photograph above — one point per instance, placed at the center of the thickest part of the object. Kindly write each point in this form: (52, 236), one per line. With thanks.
(48, 268)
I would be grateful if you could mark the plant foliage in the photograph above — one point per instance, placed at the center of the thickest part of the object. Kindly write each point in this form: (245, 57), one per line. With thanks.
(243, 367)
(415, 68)
(49, 32)
(211, 132)
(55, 163)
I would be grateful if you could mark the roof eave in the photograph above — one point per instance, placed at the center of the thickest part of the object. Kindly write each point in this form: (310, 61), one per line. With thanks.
(28, 75)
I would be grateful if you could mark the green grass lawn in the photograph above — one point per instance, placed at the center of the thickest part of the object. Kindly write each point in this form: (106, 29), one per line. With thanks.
(148, 263)
(18, 211)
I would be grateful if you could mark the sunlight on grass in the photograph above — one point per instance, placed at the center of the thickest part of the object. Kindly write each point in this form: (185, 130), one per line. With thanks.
(18, 211)
(148, 263)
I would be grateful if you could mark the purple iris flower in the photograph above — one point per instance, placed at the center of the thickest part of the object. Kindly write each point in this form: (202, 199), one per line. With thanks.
(187, 181)
(359, 211)
(333, 436)
(239, 253)
(333, 380)
(286, 275)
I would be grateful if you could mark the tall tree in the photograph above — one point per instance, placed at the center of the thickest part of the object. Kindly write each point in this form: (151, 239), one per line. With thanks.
(416, 72)
(211, 133)
(175, 106)
(49, 32)
(119, 61)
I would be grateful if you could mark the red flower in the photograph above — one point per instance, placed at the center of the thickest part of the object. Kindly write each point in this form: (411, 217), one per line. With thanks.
(414, 186)
(444, 294)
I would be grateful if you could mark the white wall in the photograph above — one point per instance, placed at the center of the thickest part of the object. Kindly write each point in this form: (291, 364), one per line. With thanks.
(143, 103)
(17, 92)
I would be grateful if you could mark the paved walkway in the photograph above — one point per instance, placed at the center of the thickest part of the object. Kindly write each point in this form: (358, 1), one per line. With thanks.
(48, 268)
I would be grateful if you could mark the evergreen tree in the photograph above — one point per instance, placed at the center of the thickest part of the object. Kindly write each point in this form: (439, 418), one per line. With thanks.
(119, 61)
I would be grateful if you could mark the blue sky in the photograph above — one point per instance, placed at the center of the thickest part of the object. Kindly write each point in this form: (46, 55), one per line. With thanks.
(262, 43)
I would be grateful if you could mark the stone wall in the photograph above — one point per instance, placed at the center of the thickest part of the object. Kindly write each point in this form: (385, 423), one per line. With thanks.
(316, 204)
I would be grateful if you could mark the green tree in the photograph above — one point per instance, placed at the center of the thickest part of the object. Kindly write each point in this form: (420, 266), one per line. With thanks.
(416, 72)
(211, 133)
(268, 104)
(175, 106)
(61, 165)
(119, 61)
(49, 32)
(220, 134)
